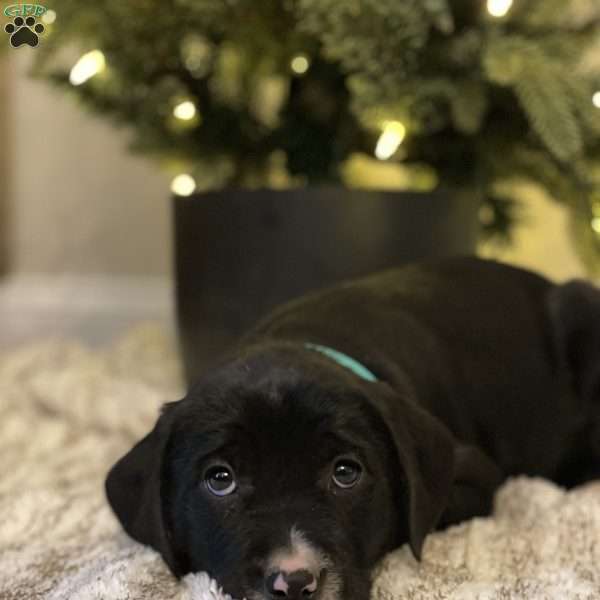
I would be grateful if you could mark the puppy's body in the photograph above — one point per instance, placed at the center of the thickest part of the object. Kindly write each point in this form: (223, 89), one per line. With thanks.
(474, 342)
(482, 371)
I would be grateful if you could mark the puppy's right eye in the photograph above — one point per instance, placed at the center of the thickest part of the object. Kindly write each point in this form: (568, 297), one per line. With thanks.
(220, 480)
(346, 473)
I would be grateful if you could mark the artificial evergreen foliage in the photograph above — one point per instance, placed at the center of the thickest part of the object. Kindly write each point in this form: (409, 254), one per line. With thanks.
(483, 99)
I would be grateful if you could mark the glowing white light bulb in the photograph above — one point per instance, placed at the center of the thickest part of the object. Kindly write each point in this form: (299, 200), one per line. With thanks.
(185, 110)
(596, 99)
(596, 224)
(389, 141)
(87, 66)
(300, 64)
(49, 17)
(499, 8)
(183, 185)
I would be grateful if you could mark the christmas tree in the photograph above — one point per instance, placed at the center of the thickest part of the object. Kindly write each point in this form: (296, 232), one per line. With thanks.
(451, 93)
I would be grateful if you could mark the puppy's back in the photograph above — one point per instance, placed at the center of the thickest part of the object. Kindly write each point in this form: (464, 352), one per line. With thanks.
(473, 337)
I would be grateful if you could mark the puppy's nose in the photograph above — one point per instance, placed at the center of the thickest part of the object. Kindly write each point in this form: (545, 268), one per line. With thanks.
(297, 585)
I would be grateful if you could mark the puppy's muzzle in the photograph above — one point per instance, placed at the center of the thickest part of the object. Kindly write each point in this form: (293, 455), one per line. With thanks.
(297, 585)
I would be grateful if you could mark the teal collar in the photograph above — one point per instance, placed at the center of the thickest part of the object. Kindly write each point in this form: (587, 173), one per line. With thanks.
(344, 360)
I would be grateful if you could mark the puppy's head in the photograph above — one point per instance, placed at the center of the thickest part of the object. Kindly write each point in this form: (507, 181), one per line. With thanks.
(285, 476)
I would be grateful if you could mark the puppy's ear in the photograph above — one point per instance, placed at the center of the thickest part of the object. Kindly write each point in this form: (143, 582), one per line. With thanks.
(426, 451)
(476, 479)
(574, 310)
(133, 488)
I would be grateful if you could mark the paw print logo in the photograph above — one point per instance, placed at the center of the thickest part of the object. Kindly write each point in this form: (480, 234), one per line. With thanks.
(24, 31)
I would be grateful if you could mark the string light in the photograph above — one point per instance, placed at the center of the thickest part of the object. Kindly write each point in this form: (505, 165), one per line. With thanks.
(389, 141)
(183, 185)
(596, 99)
(499, 8)
(596, 224)
(300, 64)
(185, 111)
(87, 66)
(49, 17)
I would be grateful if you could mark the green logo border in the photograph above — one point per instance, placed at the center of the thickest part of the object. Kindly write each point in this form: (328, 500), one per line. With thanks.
(25, 10)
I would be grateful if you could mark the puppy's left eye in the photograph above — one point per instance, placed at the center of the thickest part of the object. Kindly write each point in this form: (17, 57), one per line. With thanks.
(346, 473)
(220, 480)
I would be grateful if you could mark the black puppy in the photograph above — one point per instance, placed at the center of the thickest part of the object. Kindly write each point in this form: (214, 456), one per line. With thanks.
(362, 417)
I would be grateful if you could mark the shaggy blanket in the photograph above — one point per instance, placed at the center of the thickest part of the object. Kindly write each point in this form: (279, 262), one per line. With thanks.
(67, 412)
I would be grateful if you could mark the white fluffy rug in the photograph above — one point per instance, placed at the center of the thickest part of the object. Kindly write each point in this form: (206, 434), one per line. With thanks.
(66, 413)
